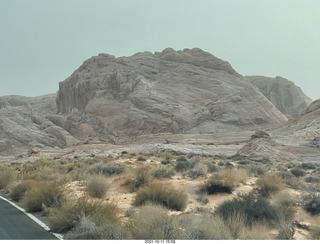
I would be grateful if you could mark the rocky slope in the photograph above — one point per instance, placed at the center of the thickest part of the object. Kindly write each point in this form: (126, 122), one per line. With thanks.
(187, 91)
(284, 94)
(114, 100)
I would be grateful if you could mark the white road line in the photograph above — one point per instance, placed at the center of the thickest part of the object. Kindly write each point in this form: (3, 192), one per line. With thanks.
(35, 219)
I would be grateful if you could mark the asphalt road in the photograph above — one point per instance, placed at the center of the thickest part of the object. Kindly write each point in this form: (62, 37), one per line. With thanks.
(15, 225)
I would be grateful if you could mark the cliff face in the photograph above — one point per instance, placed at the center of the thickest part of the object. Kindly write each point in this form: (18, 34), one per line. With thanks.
(189, 91)
(284, 94)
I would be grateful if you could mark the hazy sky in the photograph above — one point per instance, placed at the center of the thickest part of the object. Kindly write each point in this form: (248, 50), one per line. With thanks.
(43, 41)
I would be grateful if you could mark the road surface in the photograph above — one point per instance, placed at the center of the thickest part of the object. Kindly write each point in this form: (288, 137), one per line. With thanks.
(16, 225)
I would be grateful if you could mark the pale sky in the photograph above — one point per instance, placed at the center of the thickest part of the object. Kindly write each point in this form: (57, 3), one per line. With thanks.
(43, 41)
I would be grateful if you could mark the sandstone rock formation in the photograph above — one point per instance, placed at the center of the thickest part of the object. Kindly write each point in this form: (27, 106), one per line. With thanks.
(284, 94)
(116, 100)
(23, 124)
(189, 91)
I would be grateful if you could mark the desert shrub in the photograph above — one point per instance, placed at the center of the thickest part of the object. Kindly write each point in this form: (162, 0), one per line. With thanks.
(315, 232)
(244, 162)
(163, 172)
(153, 223)
(202, 227)
(68, 215)
(202, 197)
(89, 228)
(253, 207)
(269, 184)
(312, 204)
(41, 196)
(183, 165)
(7, 176)
(307, 166)
(285, 203)
(212, 167)
(297, 172)
(97, 186)
(141, 158)
(312, 179)
(142, 176)
(106, 168)
(199, 170)
(18, 191)
(256, 170)
(162, 194)
(258, 231)
(224, 182)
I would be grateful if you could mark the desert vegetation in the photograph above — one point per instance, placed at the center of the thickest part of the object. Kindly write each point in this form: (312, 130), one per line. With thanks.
(168, 197)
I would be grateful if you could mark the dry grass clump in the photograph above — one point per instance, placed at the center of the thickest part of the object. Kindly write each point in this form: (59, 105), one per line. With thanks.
(142, 176)
(152, 223)
(162, 194)
(202, 227)
(222, 182)
(269, 184)
(18, 191)
(41, 196)
(68, 215)
(7, 176)
(285, 202)
(97, 186)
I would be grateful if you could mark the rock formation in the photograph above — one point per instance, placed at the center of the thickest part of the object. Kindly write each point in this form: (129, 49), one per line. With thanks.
(189, 91)
(284, 94)
(114, 100)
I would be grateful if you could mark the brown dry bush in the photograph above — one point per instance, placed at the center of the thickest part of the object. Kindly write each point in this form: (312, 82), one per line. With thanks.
(202, 227)
(69, 214)
(97, 186)
(7, 176)
(162, 194)
(142, 176)
(152, 223)
(221, 182)
(269, 184)
(19, 190)
(41, 196)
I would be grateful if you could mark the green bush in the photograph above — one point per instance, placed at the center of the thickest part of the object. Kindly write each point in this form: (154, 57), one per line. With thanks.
(41, 196)
(297, 172)
(97, 186)
(162, 194)
(312, 204)
(66, 217)
(307, 166)
(254, 208)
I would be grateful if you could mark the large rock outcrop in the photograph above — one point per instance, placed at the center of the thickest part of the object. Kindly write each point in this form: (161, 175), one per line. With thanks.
(284, 94)
(23, 124)
(189, 91)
